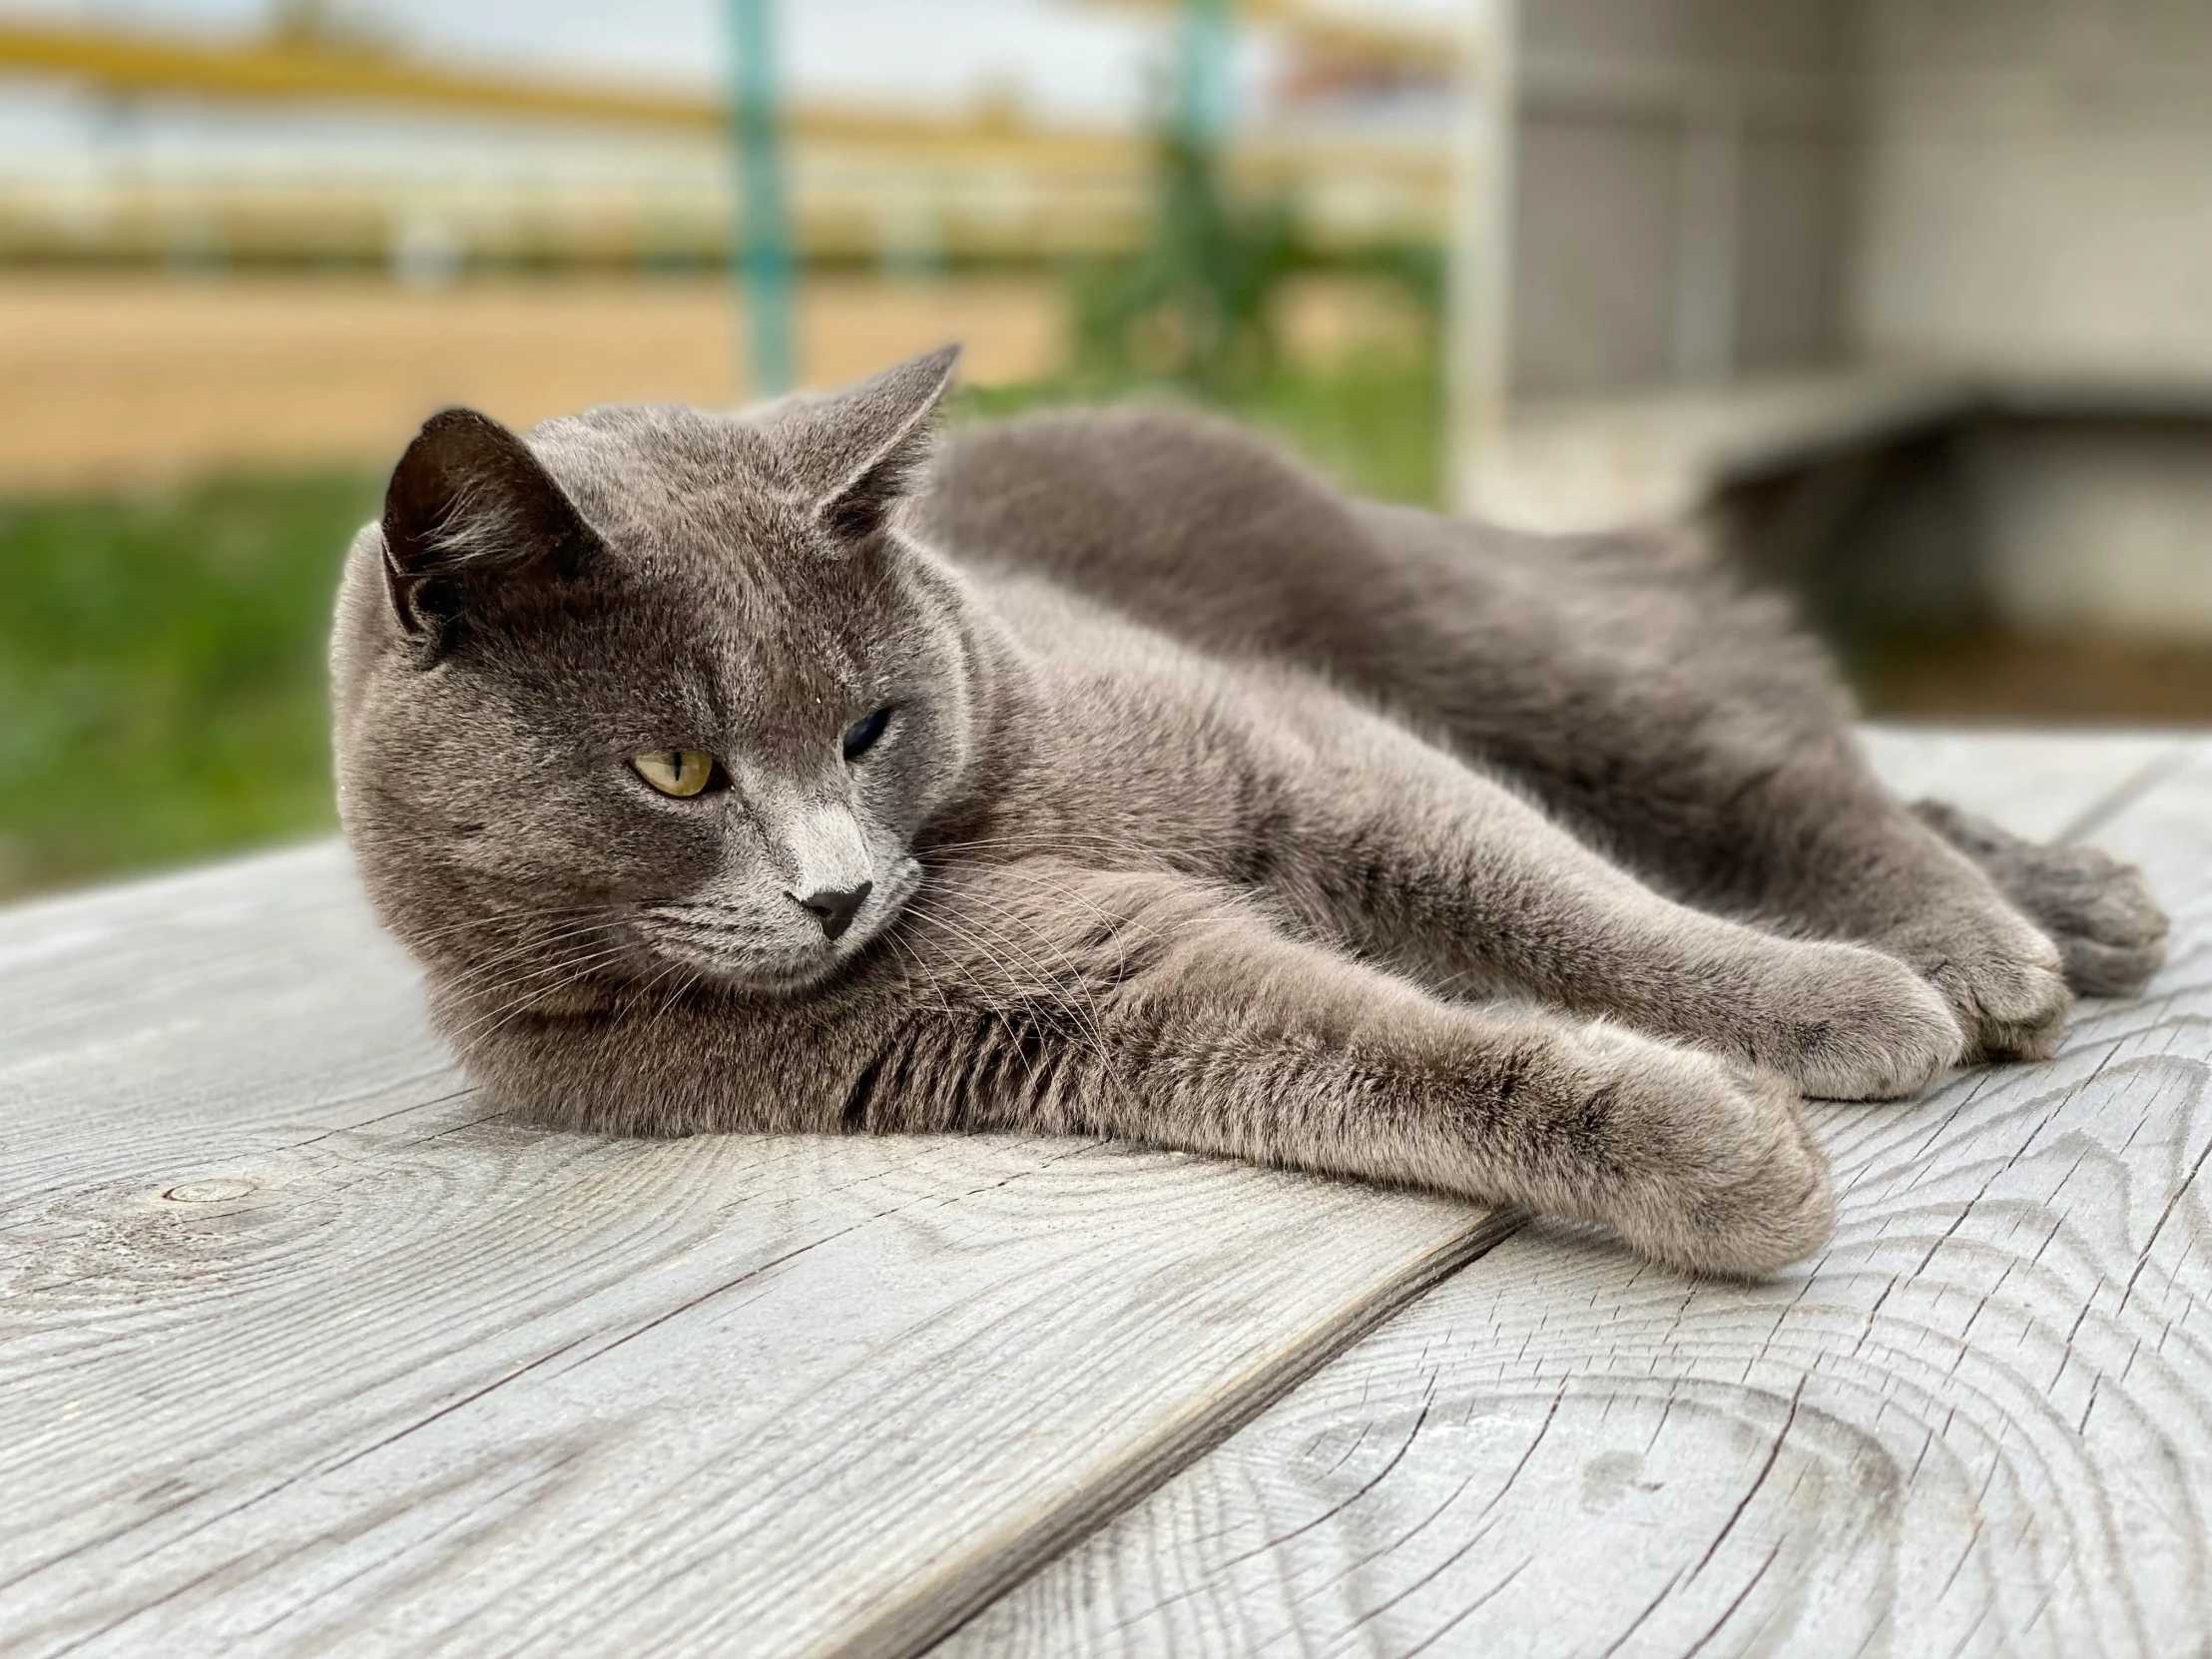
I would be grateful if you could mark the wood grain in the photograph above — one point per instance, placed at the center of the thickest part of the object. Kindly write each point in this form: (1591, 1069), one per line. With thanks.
(303, 1351)
(1981, 1424)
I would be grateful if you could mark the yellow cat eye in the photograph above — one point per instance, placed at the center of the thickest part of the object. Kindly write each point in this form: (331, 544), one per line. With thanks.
(676, 771)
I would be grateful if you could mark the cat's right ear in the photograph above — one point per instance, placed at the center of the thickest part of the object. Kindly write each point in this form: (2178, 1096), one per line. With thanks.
(471, 521)
(858, 451)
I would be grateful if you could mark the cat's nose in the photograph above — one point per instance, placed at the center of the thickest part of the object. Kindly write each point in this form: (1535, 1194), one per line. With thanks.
(836, 909)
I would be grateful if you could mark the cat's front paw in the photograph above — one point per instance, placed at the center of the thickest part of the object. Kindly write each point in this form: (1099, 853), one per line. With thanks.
(1843, 1022)
(2004, 979)
(1711, 1166)
(2014, 1006)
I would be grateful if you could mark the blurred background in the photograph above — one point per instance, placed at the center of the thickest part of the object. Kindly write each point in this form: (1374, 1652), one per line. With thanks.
(1909, 304)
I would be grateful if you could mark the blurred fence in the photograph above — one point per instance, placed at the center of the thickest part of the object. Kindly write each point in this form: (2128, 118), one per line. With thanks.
(385, 159)
(1912, 303)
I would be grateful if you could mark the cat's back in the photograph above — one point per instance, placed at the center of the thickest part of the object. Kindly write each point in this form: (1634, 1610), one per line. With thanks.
(1180, 522)
(1198, 527)
(1209, 535)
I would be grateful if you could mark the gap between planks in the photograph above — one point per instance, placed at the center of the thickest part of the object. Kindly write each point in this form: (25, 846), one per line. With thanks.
(920, 1626)
(305, 1353)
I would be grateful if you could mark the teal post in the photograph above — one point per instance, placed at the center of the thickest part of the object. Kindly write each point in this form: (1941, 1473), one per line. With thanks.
(1206, 268)
(1204, 92)
(762, 246)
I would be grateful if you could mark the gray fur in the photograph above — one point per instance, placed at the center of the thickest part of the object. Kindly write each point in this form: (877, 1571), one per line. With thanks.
(1217, 810)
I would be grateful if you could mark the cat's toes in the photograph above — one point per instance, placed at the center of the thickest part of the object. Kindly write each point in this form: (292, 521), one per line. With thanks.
(1843, 1022)
(2010, 995)
(1722, 1177)
(2094, 968)
(2110, 933)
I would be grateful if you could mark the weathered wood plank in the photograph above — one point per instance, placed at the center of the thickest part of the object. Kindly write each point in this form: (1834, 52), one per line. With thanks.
(1981, 1424)
(2041, 784)
(301, 1352)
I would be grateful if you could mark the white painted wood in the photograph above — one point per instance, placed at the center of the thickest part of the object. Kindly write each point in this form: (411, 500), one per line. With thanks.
(301, 1352)
(1981, 1424)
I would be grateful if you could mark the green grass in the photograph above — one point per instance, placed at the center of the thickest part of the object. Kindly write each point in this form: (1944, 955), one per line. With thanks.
(161, 656)
(161, 673)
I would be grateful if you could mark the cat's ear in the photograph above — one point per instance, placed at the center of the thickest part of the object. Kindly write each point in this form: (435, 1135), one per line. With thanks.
(471, 520)
(858, 451)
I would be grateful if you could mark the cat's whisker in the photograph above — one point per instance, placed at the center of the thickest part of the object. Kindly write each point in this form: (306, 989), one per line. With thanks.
(917, 966)
(1074, 844)
(489, 917)
(1086, 1013)
(1006, 914)
(483, 1002)
(1031, 835)
(1095, 1023)
(1075, 995)
(471, 977)
(564, 977)
(574, 967)
(499, 918)
(679, 927)
(1091, 1014)
(1012, 982)
(661, 976)
(491, 984)
(543, 935)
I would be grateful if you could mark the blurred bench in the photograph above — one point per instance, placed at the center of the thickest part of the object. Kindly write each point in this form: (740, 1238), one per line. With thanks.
(302, 1350)
(1592, 463)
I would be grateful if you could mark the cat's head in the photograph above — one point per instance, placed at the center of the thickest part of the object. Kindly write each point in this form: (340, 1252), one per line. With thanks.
(655, 697)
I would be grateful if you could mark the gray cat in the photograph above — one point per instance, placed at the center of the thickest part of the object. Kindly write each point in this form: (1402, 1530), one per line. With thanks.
(1104, 773)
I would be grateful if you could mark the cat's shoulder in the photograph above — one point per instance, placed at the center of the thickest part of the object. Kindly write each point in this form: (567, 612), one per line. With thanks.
(1142, 449)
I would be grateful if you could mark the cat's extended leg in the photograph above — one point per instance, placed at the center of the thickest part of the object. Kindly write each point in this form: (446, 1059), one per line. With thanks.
(1411, 857)
(1040, 995)
(1150, 1007)
(1625, 681)
(2109, 928)
(1698, 735)
(1694, 734)
(1817, 844)
(1810, 841)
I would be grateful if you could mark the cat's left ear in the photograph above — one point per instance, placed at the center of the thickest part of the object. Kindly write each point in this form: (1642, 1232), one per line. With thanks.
(858, 451)
(473, 524)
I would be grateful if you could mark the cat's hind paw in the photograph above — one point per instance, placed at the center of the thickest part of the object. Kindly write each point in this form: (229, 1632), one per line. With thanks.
(2109, 931)
(2098, 911)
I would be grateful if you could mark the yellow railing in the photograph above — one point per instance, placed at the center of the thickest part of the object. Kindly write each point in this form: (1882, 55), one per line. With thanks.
(1063, 190)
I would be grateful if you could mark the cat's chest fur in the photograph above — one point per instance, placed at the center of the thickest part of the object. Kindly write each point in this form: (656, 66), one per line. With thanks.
(1142, 751)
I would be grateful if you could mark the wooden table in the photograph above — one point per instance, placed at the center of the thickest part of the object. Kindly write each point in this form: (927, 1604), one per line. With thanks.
(303, 1351)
